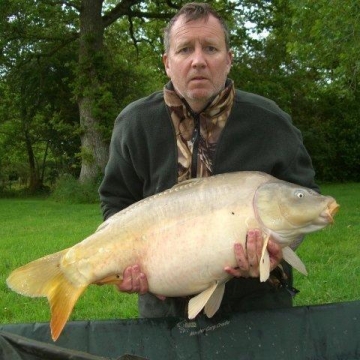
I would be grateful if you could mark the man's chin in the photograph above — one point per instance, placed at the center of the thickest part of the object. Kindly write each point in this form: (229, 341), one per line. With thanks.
(201, 95)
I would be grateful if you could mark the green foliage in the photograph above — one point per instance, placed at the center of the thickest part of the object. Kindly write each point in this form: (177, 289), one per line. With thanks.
(302, 54)
(332, 135)
(324, 40)
(307, 64)
(70, 190)
(325, 37)
(38, 121)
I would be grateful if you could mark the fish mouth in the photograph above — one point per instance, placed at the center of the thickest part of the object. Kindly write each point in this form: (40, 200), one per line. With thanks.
(331, 210)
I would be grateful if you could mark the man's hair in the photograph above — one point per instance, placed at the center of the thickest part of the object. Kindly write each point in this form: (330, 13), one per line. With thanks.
(194, 11)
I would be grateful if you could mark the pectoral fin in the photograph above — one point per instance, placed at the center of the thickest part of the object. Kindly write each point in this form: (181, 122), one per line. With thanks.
(213, 304)
(111, 279)
(291, 258)
(209, 298)
(265, 262)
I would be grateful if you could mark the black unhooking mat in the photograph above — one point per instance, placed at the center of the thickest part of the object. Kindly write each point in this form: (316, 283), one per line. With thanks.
(325, 332)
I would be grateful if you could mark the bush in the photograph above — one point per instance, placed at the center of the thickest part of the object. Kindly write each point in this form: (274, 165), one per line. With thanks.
(68, 189)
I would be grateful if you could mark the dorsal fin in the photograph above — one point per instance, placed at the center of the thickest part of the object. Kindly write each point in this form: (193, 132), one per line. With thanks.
(186, 182)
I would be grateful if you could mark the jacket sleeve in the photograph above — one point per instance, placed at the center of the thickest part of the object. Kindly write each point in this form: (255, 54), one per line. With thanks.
(299, 169)
(121, 185)
(142, 157)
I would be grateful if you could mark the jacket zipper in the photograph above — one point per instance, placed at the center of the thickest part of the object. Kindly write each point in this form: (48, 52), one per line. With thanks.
(195, 140)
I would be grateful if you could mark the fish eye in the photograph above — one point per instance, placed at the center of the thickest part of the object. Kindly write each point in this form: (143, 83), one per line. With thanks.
(300, 194)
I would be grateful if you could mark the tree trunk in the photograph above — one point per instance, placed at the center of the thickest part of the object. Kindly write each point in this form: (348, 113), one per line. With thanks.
(35, 183)
(94, 150)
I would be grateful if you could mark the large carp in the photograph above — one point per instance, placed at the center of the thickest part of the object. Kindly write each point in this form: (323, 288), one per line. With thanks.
(182, 239)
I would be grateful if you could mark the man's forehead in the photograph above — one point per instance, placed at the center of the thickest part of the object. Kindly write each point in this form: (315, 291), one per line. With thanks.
(209, 27)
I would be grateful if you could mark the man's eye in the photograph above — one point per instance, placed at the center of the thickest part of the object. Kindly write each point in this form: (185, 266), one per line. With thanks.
(184, 50)
(211, 49)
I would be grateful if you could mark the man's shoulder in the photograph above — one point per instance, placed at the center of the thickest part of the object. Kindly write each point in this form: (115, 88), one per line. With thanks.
(146, 104)
(145, 114)
(255, 100)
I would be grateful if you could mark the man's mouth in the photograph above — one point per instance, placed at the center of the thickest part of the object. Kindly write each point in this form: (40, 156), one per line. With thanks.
(198, 78)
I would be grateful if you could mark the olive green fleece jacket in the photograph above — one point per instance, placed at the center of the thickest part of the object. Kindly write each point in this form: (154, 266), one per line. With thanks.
(258, 136)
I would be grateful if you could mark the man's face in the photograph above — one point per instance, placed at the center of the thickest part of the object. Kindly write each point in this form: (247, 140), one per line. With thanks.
(197, 61)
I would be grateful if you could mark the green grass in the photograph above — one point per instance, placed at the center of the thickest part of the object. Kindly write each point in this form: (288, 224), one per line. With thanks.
(34, 228)
(31, 228)
(332, 255)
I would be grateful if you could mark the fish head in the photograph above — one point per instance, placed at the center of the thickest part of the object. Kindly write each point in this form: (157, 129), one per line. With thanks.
(290, 210)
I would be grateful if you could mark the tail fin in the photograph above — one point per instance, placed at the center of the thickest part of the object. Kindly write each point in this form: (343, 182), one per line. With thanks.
(43, 277)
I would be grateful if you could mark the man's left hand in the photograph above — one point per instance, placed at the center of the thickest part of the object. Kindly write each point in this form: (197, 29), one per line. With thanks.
(248, 259)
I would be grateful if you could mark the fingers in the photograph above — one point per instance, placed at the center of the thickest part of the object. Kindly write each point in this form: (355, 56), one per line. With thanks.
(134, 281)
(242, 270)
(253, 250)
(275, 253)
(241, 258)
(248, 259)
(254, 246)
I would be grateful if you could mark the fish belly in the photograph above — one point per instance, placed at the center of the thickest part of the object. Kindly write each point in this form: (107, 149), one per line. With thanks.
(188, 256)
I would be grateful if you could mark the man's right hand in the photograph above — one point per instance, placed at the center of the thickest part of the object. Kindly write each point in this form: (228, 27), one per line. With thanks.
(135, 281)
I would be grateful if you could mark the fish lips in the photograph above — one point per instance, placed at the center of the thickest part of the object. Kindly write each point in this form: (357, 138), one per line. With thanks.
(327, 216)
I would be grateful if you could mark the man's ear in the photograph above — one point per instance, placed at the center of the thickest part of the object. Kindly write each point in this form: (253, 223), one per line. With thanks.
(230, 59)
(165, 60)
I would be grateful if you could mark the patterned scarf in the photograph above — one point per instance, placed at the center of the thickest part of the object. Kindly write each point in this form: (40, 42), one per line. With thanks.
(211, 121)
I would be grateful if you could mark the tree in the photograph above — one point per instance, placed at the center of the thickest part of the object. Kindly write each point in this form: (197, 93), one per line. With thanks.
(302, 54)
(324, 40)
(36, 116)
(325, 36)
(92, 61)
(30, 33)
(308, 63)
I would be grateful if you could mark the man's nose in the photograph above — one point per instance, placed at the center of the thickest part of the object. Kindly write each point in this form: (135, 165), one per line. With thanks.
(199, 59)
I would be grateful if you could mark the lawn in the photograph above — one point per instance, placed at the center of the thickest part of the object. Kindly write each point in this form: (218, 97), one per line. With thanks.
(32, 228)
(332, 256)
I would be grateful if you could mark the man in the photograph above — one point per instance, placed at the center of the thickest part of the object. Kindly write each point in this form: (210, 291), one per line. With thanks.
(200, 125)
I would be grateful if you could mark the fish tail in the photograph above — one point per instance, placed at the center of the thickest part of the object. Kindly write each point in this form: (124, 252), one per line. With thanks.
(44, 278)
(62, 301)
